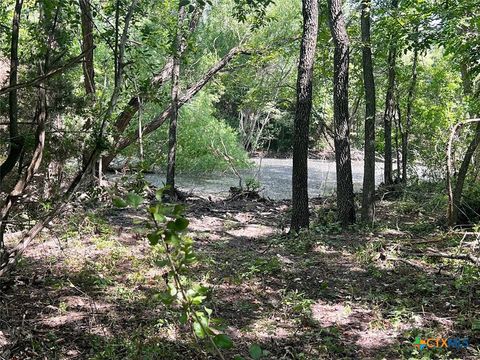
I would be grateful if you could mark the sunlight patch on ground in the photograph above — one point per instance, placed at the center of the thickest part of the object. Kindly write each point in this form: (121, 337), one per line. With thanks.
(337, 314)
(4, 341)
(252, 231)
(375, 338)
(60, 320)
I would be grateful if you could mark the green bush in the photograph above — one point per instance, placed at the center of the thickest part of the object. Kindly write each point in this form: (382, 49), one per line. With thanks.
(205, 143)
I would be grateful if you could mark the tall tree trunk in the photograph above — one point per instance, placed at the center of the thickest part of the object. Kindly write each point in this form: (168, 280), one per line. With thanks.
(172, 131)
(368, 195)
(455, 195)
(398, 134)
(408, 120)
(87, 47)
(345, 195)
(16, 139)
(462, 174)
(389, 115)
(300, 215)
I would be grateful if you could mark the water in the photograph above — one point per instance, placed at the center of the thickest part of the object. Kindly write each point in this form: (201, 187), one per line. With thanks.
(275, 176)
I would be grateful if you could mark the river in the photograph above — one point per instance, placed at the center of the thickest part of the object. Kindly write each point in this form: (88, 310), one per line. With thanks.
(275, 177)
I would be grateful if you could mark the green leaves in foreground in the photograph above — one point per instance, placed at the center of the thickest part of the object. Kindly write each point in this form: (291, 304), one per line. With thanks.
(255, 351)
(223, 341)
(176, 254)
(132, 199)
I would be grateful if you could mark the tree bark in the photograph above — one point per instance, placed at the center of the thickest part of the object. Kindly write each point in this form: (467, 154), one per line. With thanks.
(300, 214)
(408, 120)
(368, 194)
(462, 174)
(87, 47)
(456, 194)
(172, 130)
(345, 195)
(16, 139)
(390, 106)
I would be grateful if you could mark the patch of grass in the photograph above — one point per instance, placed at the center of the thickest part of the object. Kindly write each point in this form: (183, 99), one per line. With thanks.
(136, 346)
(369, 252)
(296, 304)
(262, 267)
(301, 243)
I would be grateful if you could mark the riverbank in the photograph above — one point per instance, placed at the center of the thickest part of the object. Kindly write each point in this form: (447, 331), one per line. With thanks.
(363, 293)
(326, 154)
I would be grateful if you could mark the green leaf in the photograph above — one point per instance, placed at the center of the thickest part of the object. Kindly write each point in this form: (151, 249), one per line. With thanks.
(153, 238)
(197, 300)
(134, 200)
(181, 224)
(197, 328)
(165, 298)
(178, 209)
(118, 202)
(183, 318)
(184, 2)
(159, 194)
(223, 341)
(171, 238)
(255, 351)
(161, 263)
(159, 217)
(476, 325)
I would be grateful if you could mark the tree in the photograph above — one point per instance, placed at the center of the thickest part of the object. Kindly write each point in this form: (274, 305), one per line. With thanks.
(389, 115)
(408, 120)
(87, 46)
(172, 131)
(16, 139)
(300, 215)
(370, 108)
(345, 195)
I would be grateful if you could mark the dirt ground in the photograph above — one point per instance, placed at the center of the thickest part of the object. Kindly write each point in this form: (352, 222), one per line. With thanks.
(86, 289)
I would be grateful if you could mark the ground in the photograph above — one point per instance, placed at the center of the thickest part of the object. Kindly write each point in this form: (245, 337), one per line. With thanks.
(86, 289)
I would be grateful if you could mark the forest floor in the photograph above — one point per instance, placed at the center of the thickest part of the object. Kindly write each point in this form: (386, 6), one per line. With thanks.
(86, 289)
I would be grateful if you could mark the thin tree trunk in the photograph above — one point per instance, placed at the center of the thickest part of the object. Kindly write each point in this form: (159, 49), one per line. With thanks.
(398, 134)
(462, 174)
(456, 194)
(19, 188)
(87, 47)
(345, 195)
(368, 194)
(172, 131)
(16, 140)
(408, 121)
(300, 215)
(389, 115)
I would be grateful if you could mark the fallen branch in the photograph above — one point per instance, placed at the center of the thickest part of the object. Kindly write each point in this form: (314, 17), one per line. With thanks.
(465, 257)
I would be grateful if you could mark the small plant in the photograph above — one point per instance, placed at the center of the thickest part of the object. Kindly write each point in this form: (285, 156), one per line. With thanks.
(295, 303)
(167, 236)
(252, 184)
